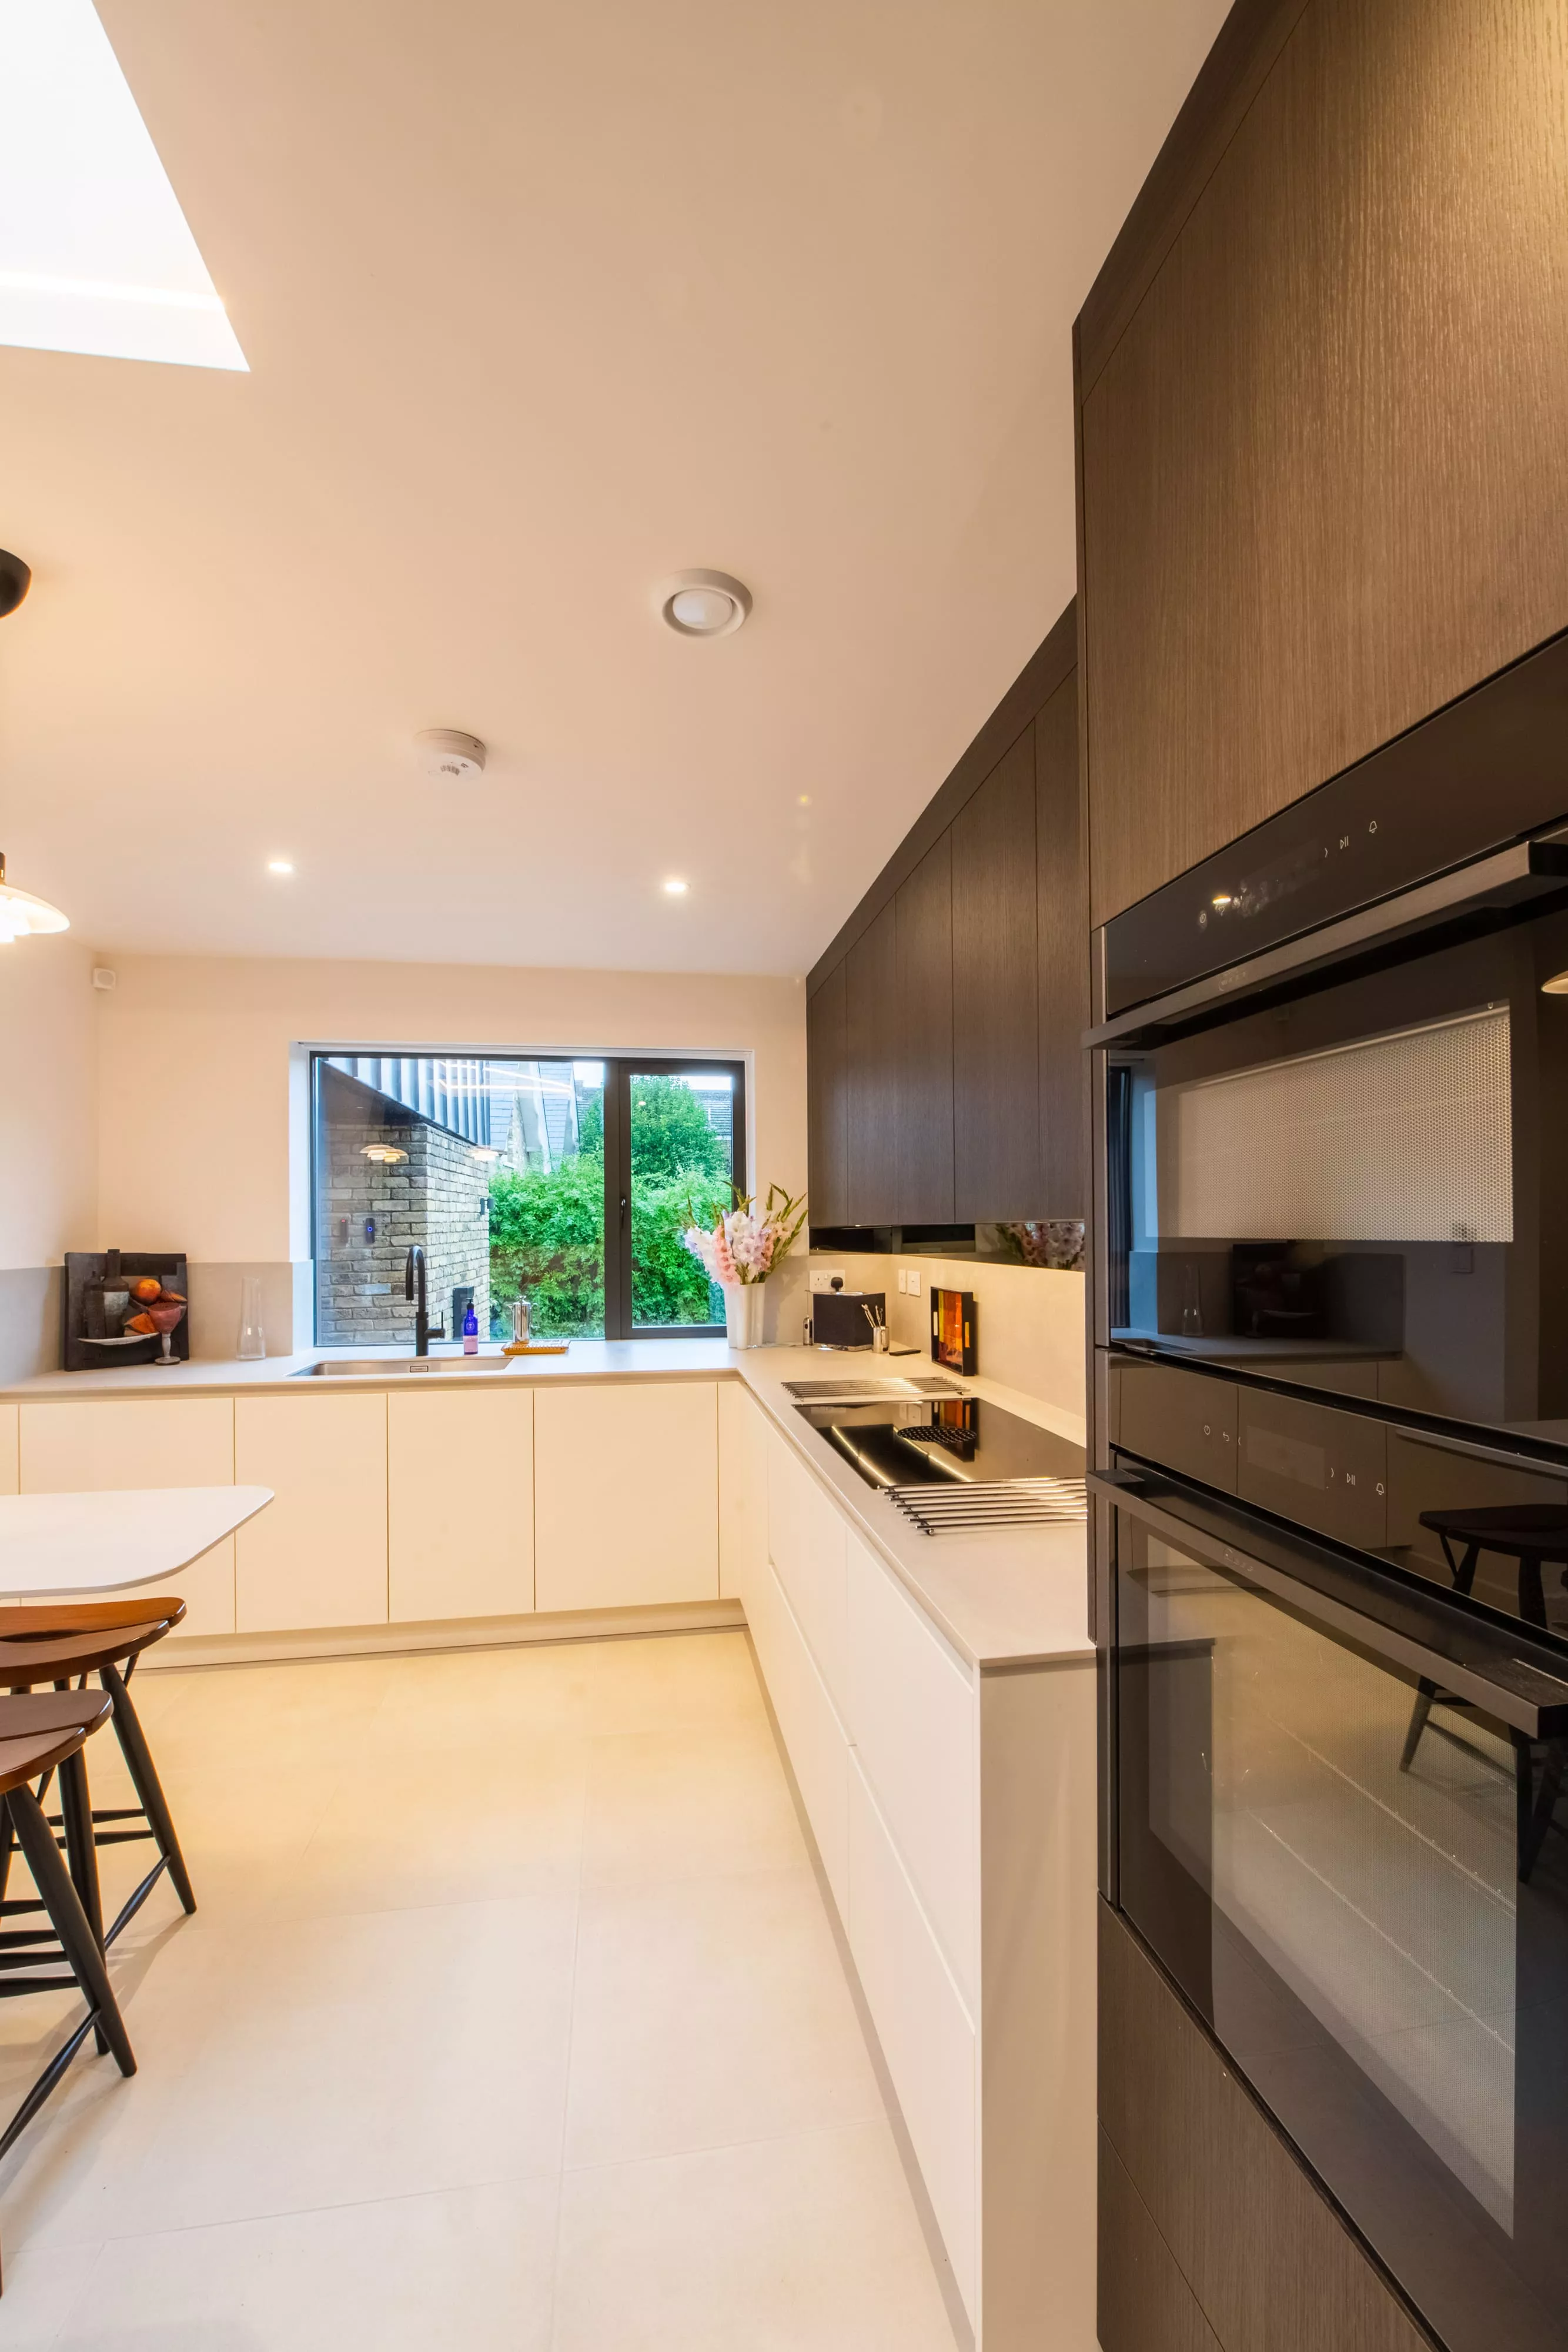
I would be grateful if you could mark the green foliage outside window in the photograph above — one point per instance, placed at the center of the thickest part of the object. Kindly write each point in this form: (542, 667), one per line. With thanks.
(547, 1230)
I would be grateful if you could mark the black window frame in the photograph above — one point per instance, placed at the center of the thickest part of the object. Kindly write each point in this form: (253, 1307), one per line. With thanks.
(619, 1070)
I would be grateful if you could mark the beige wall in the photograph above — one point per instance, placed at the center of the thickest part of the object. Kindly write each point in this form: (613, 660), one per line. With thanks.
(198, 1063)
(49, 1106)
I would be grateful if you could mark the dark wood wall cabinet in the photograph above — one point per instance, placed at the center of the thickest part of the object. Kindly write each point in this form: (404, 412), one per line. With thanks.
(1323, 389)
(944, 1024)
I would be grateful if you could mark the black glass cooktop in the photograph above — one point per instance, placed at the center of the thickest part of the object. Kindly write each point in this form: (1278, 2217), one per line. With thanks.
(958, 1441)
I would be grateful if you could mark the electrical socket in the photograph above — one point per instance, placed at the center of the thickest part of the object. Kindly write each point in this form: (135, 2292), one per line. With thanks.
(823, 1277)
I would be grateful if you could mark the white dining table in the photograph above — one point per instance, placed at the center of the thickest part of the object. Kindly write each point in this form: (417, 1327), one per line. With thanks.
(112, 1542)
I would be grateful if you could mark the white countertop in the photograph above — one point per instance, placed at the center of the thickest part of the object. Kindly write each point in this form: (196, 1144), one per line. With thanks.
(1006, 1598)
(106, 1542)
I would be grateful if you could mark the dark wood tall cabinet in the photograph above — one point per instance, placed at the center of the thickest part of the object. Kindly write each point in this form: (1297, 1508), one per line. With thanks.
(997, 1168)
(945, 1021)
(871, 1070)
(827, 1101)
(1323, 388)
(924, 905)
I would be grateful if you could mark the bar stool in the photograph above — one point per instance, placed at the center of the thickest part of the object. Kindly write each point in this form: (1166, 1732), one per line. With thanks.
(59, 1643)
(39, 1734)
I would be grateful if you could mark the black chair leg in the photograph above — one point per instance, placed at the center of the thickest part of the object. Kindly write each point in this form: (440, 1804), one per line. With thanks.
(145, 1779)
(81, 1852)
(8, 1846)
(78, 1940)
(1426, 1692)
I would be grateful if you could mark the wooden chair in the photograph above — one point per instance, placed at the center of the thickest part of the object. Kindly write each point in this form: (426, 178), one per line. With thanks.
(60, 1644)
(38, 1735)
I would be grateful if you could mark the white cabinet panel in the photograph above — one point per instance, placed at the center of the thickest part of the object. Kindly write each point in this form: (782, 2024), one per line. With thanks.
(925, 2033)
(742, 1491)
(916, 1725)
(813, 1737)
(9, 1471)
(318, 1554)
(95, 1446)
(460, 1504)
(625, 1495)
(805, 1544)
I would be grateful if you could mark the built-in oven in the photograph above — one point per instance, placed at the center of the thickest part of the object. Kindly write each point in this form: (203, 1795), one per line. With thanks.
(1329, 1289)
(1351, 1889)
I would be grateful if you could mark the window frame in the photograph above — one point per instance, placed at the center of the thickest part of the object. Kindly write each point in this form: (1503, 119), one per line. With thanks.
(619, 1070)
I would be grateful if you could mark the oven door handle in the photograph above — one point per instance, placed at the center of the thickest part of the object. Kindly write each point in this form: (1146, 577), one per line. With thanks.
(1516, 1690)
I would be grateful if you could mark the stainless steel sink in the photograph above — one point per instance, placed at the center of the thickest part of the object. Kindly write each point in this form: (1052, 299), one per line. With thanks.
(867, 1392)
(381, 1368)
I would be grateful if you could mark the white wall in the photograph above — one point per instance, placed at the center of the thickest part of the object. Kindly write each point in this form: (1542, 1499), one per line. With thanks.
(49, 1102)
(195, 1063)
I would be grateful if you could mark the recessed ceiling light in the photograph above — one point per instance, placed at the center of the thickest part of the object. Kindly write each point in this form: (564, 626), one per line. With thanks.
(805, 799)
(704, 604)
(280, 865)
(674, 888)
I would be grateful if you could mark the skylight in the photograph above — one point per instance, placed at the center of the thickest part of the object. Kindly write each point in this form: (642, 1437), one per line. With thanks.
(94, 252)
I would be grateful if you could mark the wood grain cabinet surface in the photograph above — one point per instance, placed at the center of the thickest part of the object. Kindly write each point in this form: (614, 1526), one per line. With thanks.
(945, 1022)
(1324, 450)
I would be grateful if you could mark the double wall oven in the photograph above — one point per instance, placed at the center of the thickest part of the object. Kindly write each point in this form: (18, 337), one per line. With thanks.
(1330, 1485)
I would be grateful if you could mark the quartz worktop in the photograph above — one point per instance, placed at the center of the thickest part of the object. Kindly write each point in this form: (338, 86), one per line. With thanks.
(1004, 1597)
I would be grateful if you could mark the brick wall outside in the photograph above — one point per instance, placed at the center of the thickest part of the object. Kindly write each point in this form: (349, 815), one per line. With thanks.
(435, 1196)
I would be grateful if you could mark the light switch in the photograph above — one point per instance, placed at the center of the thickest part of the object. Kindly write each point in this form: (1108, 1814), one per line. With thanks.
(915, 1282)
(902, 1278)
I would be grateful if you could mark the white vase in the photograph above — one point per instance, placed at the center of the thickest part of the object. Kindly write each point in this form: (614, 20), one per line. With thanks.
(743, 1313)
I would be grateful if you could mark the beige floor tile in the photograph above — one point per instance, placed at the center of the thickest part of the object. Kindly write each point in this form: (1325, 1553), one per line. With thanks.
(332, 2061)
(688, 1803)
(709, 2010)
(808, 2243)
(466, 2272)
(42, 2282)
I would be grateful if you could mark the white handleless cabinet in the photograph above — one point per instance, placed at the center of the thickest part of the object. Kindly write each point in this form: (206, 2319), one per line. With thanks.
(812, 1734)
(460, 1504)
(926, 2035)
(916, 1729)
(625, 1495)
(806, 1535)
(742, 1492)
(9, 1449)
(96, 1446)
(318, 1554)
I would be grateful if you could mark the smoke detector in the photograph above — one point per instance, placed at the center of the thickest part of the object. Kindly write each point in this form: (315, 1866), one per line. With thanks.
(448, 756)
(703, 604)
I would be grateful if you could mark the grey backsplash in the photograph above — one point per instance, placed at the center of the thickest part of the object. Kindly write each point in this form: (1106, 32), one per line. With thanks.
(285, 1306)
(32, 1301)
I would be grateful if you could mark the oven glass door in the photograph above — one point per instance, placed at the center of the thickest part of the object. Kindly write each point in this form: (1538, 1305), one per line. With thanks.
(1363, 1190)
(1329, 1865)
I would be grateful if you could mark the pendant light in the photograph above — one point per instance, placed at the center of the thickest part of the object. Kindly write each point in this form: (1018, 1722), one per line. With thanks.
(22, 915)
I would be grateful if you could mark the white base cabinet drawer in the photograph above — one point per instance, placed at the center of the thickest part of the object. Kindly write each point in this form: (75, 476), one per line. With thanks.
(742, 1492)
(460, 1505)
(914, 1714)
(625, 1495)
(102, 1445)
(806, 1540)
(926, 2034)
(318, 1554)
(813, 1737)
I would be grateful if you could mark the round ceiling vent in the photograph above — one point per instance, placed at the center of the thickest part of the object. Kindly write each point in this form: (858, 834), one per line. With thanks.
(704, 604)
(449, 756)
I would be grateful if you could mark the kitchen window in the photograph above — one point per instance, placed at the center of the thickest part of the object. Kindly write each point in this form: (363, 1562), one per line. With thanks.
(566, 1181)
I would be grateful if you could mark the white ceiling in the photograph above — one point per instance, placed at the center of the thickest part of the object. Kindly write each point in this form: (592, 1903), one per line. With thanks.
(542, 304)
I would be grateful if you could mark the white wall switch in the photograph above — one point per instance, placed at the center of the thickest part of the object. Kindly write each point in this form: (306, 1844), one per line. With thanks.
(903, 1279)
(914, 1282)
(823, 1277)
